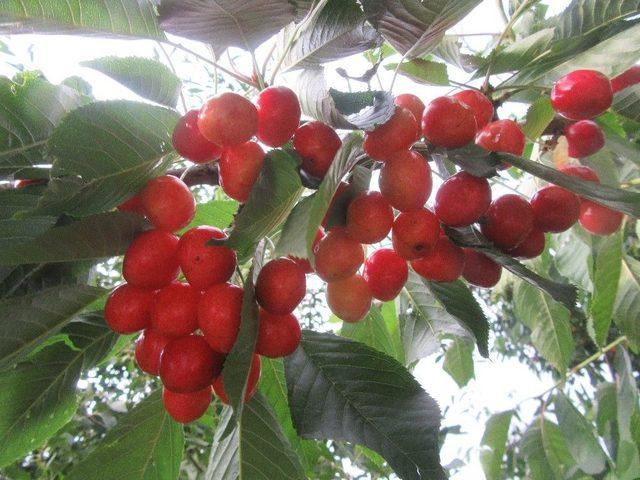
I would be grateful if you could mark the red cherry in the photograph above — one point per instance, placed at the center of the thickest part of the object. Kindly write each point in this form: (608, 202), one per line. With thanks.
(598, 219)
(151, 260)
(188, 364)
(502, 136)
(585, 173)
(174, 310)
(555, 209)
(204, 265)
(581, 95)
(448, 123)
(168, 203)
(532, 246)
(278, 335)
(239, 169)
(508, 221)
(281, 286)
(349, 299)
(304, 263)
(462, 199)
(228, 119)
(219, 315)
(149, 347)
(252, 382)
(417, 231)
(444, 263)
(480, 105)
(369, 218)
(480, 270)
(317, 144)
(398, 133)
(386, 273)
(338, 256)
(186, 407)
(584, 138)
(133, 204)
(278, 115)
(190, 143)
(405, 181)
(626, 79)
(128, 309)
(411, 103)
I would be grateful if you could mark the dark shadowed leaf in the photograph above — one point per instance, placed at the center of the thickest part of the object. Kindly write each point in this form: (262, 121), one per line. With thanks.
(16, 231)
(494, 444)
(627, 103)
(13, 201)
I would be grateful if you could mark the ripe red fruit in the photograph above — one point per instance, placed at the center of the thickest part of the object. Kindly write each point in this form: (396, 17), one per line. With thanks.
(151, 261)
(133, 204)
(281, 286)
(369, 217)
(252, 382)
(480, 105)
(626, 79)
(416, 232)
(585, 173)
(204, 265)
(190, 143)
(462, 199)
(598, 219)
(448, 123)
(338, 256)
(149, 347)
(219, 313)
(584, 138)
(278, 115)
(480, 270)
(508, 221)
(398, 133)
(502, 136)
(317, 144)
(174, 310)
(405, 181)
(555, 209)
(128, 309)
(532, 246)
(188, 364)
(304, 263)
(228, 119)
(444, 263)
(186, 407)
(412, 103)
(386, 273)
(278, 335)
(168, 203)
(581, 95)
(349, 299)
(239, 169)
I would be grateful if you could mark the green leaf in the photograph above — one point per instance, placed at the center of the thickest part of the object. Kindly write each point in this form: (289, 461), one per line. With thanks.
(546, 451)
(291, 242)
(458, 361)
(573, 260)
(423, 71)
(13, 201)
(16, 231)
(343, 390)
(27, 321)
(215, 213)
(98, 236)
(549, 324)
(539, 116)
(626, 310)
(449, 50)
(372, 331)
(146, 77)
(627, 103)
(628, 458)
(494, 444)
(146, 444)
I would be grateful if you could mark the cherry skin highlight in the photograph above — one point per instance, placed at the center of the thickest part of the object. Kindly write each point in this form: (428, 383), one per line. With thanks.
(149, 347)
(480, 270)
(598, 219)
(480, 105)
(188, 364)
(281, 286)
(581, 95)
(173, 313)
(448, 123)
(369, 218)
(278, 335)
(240, 167)
(398, 133)
(502, 136)
(349, 299)
(444, 263)
(317, 143)
(418, 231)
(186, 407)
(190, 143)
(252, 382)
(278, 115)
(168, 203)
(412, 103)
(385, 273)
(338, 256)
(405, 181)
(219, 315)
(584, 138)
(531, 247)
(228, 119)
(555, 209)
(128, 309)
(151, 261)
(462, 199)
(508, 221)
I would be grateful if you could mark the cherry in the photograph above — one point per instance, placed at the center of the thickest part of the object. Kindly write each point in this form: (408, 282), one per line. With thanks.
(338, 256)
(278, 335)
(219, 315)
(252, 382)
(598, 219)
(128, 309)
(584, 138)
(508, 221)
(278, 115)
(168, 203)
(412, 103)
(398, 133)
(186, 407)
(462, 199)
(448, 123)
(444, 263)
(580, 171)
(480, 270)
(317, 144)
(502, 136)
(281, 286)
(416, 232)
(133, 204)
(405, 181)
(480, 105)
(188, 364)
(349, 299)
(626, 79)
(239, 169)
(149, 347)
(581, 95)
(27, 182)
(204, 265)
(532, 246)
(555, 209)
(386, 273)
(369, 217)
(174, 310)
(304, 263)
(190, 143)
(151, 261)
(228, 119)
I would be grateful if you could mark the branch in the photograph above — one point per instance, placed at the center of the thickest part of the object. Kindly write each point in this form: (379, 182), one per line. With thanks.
(206, 174)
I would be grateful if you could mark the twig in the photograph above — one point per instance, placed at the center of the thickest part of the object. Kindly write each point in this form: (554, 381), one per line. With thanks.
(198, 174)
(173, 69)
